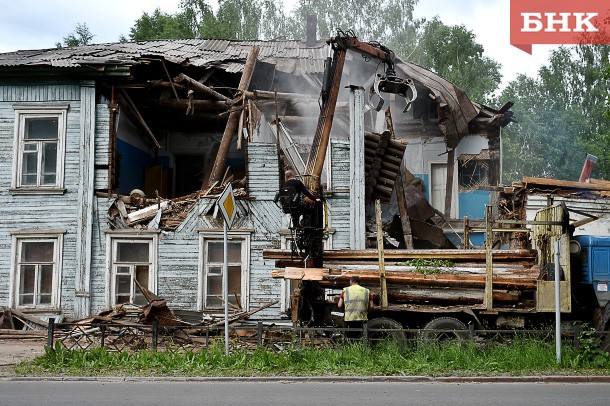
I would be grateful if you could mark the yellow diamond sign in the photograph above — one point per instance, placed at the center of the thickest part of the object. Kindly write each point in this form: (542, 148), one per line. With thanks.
(226, 203)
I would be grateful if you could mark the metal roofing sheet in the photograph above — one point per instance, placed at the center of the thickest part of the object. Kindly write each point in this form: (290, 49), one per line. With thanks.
(198, 52)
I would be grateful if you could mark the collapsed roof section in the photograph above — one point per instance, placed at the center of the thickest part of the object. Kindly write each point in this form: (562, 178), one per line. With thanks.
(173, 102)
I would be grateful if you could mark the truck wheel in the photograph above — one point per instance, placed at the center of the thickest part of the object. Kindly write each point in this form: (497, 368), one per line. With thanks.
(455, 330)
(393, 330)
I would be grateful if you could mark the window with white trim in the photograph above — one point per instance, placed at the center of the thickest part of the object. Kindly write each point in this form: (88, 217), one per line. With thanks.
(37, 270)
(211, 280)
(132, 259)
(40, 132)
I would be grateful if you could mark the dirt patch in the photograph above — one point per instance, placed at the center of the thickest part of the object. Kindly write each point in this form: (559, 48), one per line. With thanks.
(14, 351)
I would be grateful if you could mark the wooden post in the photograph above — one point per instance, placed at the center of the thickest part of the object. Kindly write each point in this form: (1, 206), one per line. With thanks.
(384, 289)
(466, 233)
(488, 259)
(449, 185)
(402, 207)
(233, 122)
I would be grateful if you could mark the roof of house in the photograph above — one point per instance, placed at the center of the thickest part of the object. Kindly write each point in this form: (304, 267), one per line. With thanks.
(456, 110)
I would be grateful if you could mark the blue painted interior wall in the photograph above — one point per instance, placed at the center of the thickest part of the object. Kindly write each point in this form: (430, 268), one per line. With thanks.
(131, 168)
(472, 204)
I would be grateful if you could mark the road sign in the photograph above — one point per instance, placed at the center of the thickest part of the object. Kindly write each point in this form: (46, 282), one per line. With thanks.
(226, 203)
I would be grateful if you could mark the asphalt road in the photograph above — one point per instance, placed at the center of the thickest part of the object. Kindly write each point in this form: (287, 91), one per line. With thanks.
(41, 393)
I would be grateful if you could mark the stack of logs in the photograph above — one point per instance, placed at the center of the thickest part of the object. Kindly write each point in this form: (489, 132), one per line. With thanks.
(383, 157)
(463, 283)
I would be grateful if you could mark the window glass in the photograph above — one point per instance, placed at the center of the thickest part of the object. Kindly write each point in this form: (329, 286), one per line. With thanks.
(26, 284)
(234, 283)
(41, 128)
(216, 252)
(37, 251)
(49, 163)
(132, 252)
(29, 168)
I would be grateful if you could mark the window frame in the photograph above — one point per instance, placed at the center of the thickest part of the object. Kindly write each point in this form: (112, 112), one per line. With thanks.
(47, 110)
(112, 241)
(20, 237)
(242, 236)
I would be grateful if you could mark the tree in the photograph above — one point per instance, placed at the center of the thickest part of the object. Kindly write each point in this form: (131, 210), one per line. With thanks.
(380, 20)
(560, 117)
(160, 25)
(453, 53)
(80, 36)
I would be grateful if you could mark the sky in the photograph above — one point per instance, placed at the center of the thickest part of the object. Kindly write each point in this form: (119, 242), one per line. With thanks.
(40, 24)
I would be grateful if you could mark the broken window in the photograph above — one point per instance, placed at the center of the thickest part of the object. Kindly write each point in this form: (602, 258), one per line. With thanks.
(40, 142)
(473, 170)
(132, 259)
(237, 266)
(38, 260)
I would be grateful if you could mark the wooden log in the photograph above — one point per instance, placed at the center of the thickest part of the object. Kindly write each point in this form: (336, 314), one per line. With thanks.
(326, 278)
(563, 184)
(403, 255)
(232, 123)
(200, 87)
(455, 296)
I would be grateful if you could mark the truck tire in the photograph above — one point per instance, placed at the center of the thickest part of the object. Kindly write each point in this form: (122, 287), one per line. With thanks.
(456, 330)
(383, 323)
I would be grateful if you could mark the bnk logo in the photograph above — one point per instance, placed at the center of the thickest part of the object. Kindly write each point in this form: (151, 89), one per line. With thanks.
(558, 22)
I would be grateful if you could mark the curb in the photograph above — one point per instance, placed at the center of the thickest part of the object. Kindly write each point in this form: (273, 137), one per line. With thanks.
(338, 379)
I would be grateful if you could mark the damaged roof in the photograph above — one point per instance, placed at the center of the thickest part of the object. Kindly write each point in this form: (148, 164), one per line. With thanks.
(288, 56)
(455, 110)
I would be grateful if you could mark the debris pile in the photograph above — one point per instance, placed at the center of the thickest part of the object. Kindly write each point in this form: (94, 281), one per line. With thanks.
(137, 211)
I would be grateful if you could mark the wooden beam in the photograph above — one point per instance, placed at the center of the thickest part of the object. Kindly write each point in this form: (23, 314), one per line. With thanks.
(565, 184)
(382, 279)
(403, 210)
(449, 183)
(200, 87)
(403, 255)
(232, 123)
(139, 118)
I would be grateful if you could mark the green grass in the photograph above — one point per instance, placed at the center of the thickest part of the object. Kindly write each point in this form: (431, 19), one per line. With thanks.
(519, 357)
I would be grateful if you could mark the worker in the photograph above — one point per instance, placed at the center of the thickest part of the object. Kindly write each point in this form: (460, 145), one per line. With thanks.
(299, 196)
(357, 301)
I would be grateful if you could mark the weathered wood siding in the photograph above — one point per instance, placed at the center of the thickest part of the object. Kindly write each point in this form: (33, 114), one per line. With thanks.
(179, 257)
(263, 170)
(20, 212)
(102, 145)
(339, 203)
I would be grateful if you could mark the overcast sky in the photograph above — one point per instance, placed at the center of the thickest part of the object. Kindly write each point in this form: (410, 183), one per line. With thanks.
(39, 24)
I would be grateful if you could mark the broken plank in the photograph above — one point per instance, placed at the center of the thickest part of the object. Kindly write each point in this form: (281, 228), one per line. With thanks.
(146, 213)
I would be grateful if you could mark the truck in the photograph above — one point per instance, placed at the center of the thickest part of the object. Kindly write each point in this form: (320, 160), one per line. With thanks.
(440, 289)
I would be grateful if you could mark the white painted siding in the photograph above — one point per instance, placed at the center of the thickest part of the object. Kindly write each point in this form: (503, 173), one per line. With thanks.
(339, 202)
(263, 170)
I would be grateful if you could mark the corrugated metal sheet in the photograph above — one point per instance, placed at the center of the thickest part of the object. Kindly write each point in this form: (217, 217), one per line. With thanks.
(290, 56)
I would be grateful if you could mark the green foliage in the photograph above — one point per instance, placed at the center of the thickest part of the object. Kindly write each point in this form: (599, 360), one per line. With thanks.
(428, 266)
(450, 51)
(590, 352)
(521, 356)
(160, 25)
(453, 53)
(80, 36)
(560, 117)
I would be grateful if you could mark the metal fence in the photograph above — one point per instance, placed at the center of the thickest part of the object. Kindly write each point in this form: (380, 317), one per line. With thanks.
(135, 337)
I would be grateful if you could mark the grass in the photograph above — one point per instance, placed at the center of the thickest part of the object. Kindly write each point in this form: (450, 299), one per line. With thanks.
(521, 356)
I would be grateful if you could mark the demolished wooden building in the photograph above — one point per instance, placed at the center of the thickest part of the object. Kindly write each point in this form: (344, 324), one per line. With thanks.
(113, 156)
